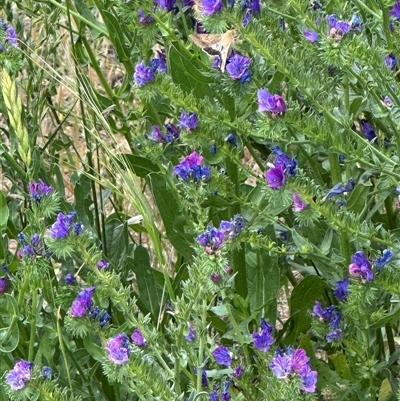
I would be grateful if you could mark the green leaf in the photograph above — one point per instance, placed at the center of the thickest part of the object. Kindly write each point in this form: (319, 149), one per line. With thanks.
(140, 165)
(263, 278)
(116, 235)
(85, 12)
(391, 317)
(94, 350)
(358, 198)
(4, 212)
(9, 336)
(173, 220)
(150, 293)
(341, 365)
(325, 246)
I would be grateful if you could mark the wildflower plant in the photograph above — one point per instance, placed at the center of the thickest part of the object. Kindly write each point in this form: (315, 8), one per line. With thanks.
(262, 154)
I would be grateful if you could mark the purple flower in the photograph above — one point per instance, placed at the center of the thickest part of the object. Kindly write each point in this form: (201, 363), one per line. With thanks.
(19, 375)
(191, 168)
(342, 27)
(104, 319)
(3, 284)
(213, 396)
(118, 349)
(83, 303)
(246, 18)
(47, 372)
(216, 62)
(335, 335)
(356, 23)
(367, 129)
(231, 139)
(94, 313)
(159, 63)
(188, 121)
(289, 165)
(380, 262)
(361, 267)
(388, 101)
(238, 66)
(187, 3)
(391, 61)
(172, 130)
(237, 372)
(191, 335)
(281, 365)
(69, 279)
(324, 315)
(252, 5)
(215, 278)
(299, 359)
(275, 177)
(298, 204)
(395, 11)
(210, 7)
(28, 250)
(103, 265)
(204, 379)
(165, 4)
(12, 37)
(157, 134)
(143, 74)
(342, 289)
(62, 226)
(138, 339)
(39, 189)
(222, 355)
(331, 20)
(143, 18)
(262, 339)
(272, 103)
(310, 35)
(308, 379)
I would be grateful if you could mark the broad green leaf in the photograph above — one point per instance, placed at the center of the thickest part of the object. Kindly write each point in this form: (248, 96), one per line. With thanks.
(140, 165)
(85, 12)
(116, 235)
(391, 317)
(4, 212)
(341, 365)
(325, 246)
(358, 198)
(94, 350)
(173, 220)
(149, 292)
(385, 392)
(263, 278)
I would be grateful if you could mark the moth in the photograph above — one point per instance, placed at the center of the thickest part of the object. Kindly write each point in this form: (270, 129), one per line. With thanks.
(215, 44)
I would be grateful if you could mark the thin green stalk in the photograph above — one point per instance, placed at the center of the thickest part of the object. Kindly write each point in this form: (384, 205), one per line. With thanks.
(255, 156)
(201, 346)
(289, 274)
(33, 324)
(390, 213)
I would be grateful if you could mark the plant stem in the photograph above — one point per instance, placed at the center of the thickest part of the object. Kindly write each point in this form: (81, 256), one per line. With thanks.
(33, 325)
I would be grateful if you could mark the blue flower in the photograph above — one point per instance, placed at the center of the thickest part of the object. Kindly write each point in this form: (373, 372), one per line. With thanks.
(213, 396)
(367, 129)
(310, 35)
(331, 20)
(308, 379)
(157, 134)
(246, 18)
(3, 284)
(237, 372)
(342, 289)
(335, 335)
(361, 267)
(342, 27)
(341, 188)
(356, 23)
(188, 121)
(159, 63)
(39, 189)
(12, 38)
(191, 335)
(191, 168)
(231, 139)
(143, 18)
(104, 318)
(262, 339)
(213, 148)
(210, 7)
(222, 355)
(63, 225)
(238, 66)
(380, 262)
(143, 74)
(103, 265)
(47, 372)
(324, 314)
(391, 61)
(172, 130)
(275, 177)
(253, 5)
(69, 279)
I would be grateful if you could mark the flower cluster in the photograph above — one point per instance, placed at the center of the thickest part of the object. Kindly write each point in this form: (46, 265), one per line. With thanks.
(361, 267)
(30, 249)
(238, 67)
(223, 356)
(225, 395)
(294, 363)
(118, 349)
(333, 317)
(172, 133)
(263, 339)
(103, 317)
(342, 289)
(21, 374)
(10, 36)
(191, 169)
(64, 225)
(284, 165)
(39, 189)
(209, 7)
(212, 239)
(82, 305)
